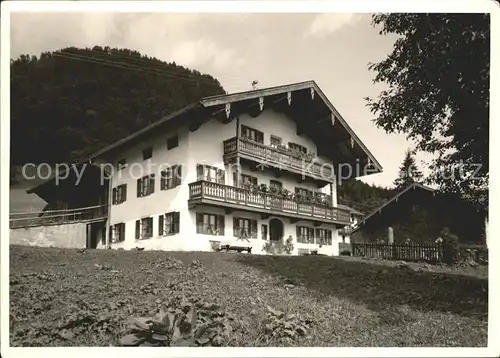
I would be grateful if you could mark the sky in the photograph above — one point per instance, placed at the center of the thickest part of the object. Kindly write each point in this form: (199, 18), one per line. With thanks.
(332, 49)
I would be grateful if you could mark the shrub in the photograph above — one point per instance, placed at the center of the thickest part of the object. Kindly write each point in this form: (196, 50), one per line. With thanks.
(288, 246)
(184, 327)
(345, 253)
(284, 328)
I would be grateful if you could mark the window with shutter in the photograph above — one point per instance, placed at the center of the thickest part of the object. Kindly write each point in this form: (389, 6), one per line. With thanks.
(145, 185)
(245, 228)
(160, 225)
(305, 235)
(220, 224)
(264, 231)
(253, 229)
(146, 228)
(178, 174)
(236, 227)
(137, 229)
(210, 224)
(176, 222)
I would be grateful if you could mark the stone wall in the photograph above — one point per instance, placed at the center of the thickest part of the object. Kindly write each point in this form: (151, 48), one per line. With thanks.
(64, 236)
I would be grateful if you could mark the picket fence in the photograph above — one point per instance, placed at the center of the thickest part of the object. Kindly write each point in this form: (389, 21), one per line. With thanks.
(405, 252)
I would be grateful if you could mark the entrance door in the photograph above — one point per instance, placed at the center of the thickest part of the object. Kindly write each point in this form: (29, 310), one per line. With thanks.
(95, 232)
(275, 230)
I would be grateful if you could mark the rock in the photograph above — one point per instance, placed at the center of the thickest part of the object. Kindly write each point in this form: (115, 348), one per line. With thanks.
(402, 264)
(65, 334)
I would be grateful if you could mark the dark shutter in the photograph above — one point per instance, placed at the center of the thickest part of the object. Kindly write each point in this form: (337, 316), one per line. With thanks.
(220, 224)
(199, 223)
(176, 221)
(122, 232)
(151, 184)
(139, 187)
(114, 195)
(163, 180)
(199, 172)
(124, 192)
(110, 235)
(160, 225)
(253, 227)
(137, 229)
(236, 227)
(178, 174)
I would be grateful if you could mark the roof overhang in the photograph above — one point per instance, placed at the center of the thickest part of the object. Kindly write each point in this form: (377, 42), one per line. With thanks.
(304, 102)
(389, 203)
(315, 116)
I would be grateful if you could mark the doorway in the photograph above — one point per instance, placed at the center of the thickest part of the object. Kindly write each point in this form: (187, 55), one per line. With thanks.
(275, 230)
(95, 233)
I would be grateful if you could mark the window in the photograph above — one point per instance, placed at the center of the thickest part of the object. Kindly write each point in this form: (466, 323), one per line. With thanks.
(252, 134)
(305, 235)
(276, 184)
(143, 228)
(275, 141)
(323, 236)
(212, 174)
(121, 164)
(172, 142)
(147, 153)
(119, 194)
(248, 179)
(297, 147)
(171, 177)
(146, 185)
(168, 224)
(303, 191)
(263, 229)
(210, 224)
(117, 233)
(245, 228)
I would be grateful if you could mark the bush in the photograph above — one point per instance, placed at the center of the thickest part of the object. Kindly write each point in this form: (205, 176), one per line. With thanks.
(345, 253)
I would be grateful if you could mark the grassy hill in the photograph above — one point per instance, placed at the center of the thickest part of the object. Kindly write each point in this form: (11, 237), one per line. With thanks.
(62, 297)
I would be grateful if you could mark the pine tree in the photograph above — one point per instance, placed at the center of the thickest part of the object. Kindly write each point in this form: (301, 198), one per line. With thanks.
(408, 172)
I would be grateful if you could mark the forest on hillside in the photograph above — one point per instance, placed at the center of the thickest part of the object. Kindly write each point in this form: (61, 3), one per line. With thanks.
(69, 103)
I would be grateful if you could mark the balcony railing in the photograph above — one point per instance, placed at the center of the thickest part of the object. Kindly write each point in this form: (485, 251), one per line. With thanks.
(58, 217)
(277, 157)
(264, 202)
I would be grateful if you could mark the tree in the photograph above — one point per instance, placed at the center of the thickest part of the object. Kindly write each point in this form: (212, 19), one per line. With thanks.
(408, 172)
(438, 95)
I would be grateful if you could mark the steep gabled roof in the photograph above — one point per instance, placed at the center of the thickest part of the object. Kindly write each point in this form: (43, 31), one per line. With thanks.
(219, 101)
(350, 147)
(352, 210)
(391, 201)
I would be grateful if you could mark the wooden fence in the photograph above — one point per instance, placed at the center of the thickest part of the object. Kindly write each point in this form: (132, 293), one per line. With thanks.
(405, 252)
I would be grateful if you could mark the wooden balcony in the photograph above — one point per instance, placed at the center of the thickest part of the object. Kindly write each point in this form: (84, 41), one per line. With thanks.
(203, 192)
(277, 158)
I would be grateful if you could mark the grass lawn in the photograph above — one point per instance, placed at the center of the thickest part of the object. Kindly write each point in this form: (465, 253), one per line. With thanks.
(62, 297)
